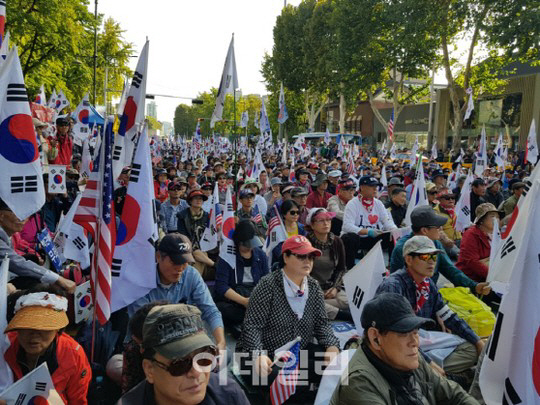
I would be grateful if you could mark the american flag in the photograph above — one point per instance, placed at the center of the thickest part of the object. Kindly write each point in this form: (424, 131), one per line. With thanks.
(219, 214)
(96, 214)
(257, 217)
(285, 383)
(350, 166)
(391, 126)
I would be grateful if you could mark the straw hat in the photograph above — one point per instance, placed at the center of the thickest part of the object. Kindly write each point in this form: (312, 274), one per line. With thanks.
(39, 311)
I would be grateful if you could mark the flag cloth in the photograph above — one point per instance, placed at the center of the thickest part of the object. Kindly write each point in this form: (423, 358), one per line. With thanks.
(4, 49)
(86, 160)
(481, 155)
(133, 115)
(41, 98)
(57, 179)
(52, 100)
(287, 379)
(61, 102)
(461, 155)
(276, 232)
(227, 249)
(2, 20)
(36, 387)
(418, 194)
(227, 85)
(264, 123)
(283, 115)
(81, 129)
(22, 186)
(510, 372)
(82, 299)
(499, 153)
(393, 155)
(470, 106)
(434, 152)
(463, 206)
(70, 238)
(391, 127)
(244, 120)
(134, 263)
(361, 283)
(414, 151)
(6, 375)
(209, 239)
(531, 151)
(327, 136)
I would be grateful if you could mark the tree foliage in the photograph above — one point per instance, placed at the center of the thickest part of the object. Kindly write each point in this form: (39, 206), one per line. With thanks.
(55, 40)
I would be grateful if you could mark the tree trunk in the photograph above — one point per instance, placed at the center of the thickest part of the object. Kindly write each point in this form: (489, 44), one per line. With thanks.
(376, 112)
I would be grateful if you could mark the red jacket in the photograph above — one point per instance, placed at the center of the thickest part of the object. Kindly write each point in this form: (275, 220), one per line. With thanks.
(161, 193)
(69, 368)
(315, 200)
(474, 247)
(65, 151)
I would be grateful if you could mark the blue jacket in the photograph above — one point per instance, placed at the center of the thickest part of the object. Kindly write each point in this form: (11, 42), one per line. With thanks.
(443, 266)
(190, 289)
(225, 275)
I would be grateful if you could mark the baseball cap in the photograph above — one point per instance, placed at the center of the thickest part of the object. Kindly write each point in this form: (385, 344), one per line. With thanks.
(174, 185)
(346, 184)
(196, 193)
(318, 213)
(299, 245)
(245, 193)
(395, 181)
(275, 181)
(391, 312)
(207, 185)
(419, 244)
(478, 182)
(174, 330)
(426, 216)
(334, 173)
(298, 191)
(177, 247)
(518, 184)
(368, 181)
(493, 181)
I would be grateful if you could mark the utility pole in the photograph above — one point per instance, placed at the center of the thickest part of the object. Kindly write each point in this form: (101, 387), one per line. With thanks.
(95, 49)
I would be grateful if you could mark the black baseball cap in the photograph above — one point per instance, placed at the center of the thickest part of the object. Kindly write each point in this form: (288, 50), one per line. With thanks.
(426, 216)
(478, 182)
(368, 181)
(391, 312)
(177, 247)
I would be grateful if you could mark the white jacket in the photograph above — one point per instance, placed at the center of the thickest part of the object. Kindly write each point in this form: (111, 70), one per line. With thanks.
(356, 217)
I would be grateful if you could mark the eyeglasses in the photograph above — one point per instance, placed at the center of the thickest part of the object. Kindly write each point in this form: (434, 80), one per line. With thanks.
(293, 212)
(303, 258)
(427, 256)
(433, 192)
(203, 359)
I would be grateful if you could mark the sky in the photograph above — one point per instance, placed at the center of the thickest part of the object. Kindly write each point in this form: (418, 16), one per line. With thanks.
(189, 42)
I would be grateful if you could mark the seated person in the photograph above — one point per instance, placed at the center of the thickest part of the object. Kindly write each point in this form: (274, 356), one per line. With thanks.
(329, 268)
(178, 282)
(415, 283)
(250, 212)
(364, 221)
(26, 270)
(476, 244)
(289, 214)
(319, 197)
(192, 222)
(178, 358)
(259, 202)
(169, 210)
(510, 203)
(387, 367)
(345, 193)
(284, 305)
(36, 335)
(161, 183)
(274, 194)
(299, 196)
(397, 206)
(426, 222)
(234, 286)
(450, 238)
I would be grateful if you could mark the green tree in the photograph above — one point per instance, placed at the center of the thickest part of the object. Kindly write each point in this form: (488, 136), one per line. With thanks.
(184, 120)
(153, 123)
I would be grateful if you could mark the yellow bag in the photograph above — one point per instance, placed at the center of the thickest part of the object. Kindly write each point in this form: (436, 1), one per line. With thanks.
(471, 309)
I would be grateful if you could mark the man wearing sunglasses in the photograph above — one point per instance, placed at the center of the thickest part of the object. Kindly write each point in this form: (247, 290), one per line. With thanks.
(178, 358)
(415, 283)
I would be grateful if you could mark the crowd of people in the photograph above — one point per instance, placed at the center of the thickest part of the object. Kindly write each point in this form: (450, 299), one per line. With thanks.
(168, 346)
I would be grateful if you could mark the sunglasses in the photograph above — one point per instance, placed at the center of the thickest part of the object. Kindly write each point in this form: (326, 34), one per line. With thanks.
(427, 256)
(203, 359)
(310, 256)
(447, 198)
(293, 212)
(432, 193)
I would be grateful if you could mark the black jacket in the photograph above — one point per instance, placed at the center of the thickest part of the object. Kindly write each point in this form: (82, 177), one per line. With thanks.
(184, 223)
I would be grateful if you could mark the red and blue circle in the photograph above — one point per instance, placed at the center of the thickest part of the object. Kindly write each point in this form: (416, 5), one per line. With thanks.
(128, 118)
(85, 301)
(83, 116)
(18, 139)
(57, 179)
(38, 400)
(228, 227)
(127, 230)
(58, 103)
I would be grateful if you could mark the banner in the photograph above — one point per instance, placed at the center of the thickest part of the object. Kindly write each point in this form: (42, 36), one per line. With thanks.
(361, 282)
(45, 240)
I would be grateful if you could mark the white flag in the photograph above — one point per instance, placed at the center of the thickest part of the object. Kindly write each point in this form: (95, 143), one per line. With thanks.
(81, 129)
(495, 244)
(463, 206)
(61, 102)
(132, 117)
(434, 152)
(418, 194)
(393, 154)
(327, 136)
(86, 160)
(470, 107)
(133, 261)
(209, 239)
(481, 155)
(6, 375)
(414, 151)
(531, 152)
(57, 179)
(41, 98)
(461, 155)
(228, 84)
(264, 123)
(36, 387)
(52, 100)
(499, 153)
(4, 49)
(70, 238)
(244, 120)
(84, 304)
(510, 372)
(21, 187)
(227, 250)
(283, 115)
(362, 280)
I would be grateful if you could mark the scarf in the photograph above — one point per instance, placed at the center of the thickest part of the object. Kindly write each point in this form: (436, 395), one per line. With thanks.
(367, 203)
(321, 245)
(422, 293)
(402, 382)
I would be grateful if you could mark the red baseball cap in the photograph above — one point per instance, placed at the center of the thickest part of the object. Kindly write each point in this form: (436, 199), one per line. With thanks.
(299, 245)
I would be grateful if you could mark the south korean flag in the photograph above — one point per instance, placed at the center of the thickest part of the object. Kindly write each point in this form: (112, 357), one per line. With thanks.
(57, 179)
(22, 182)
(35, 387)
